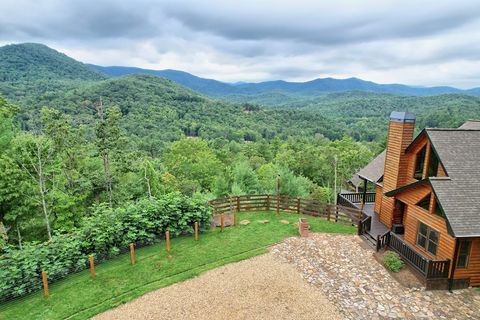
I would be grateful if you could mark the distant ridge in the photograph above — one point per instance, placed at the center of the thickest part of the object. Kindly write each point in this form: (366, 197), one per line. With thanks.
(309, 88)
(34, 61)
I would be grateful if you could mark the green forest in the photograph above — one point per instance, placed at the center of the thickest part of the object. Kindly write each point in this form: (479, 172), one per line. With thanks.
(82, 151)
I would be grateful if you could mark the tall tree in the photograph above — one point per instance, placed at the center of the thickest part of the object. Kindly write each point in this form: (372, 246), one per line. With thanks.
(107, 134)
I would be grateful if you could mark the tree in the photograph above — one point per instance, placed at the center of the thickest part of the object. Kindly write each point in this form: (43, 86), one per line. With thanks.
(107, 134)
(35, 156)
(192, 161)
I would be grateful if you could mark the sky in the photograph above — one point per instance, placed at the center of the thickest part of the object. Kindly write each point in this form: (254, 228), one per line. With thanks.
(420, 42)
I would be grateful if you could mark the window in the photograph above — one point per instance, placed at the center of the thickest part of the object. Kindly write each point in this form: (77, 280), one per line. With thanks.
(425, 202)
(464, 254)
(427, 238)
(433, 165)
(419, 163)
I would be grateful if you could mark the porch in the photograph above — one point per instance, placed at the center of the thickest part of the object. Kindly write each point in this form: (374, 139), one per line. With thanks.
(434, 272)
(370, 223)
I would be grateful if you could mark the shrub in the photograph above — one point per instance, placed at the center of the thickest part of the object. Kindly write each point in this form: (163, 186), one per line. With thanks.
(392, 261)
(103, 234)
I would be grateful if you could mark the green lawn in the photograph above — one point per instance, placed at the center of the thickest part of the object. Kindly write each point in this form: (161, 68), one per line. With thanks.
(80, 297)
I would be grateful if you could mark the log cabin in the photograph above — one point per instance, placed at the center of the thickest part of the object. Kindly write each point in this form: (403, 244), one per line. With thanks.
(426, 200)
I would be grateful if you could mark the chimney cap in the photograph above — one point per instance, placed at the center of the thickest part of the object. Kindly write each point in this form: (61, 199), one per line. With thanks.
(403, 117)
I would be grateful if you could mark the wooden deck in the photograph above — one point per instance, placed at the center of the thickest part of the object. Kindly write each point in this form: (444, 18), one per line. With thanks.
(377, 228)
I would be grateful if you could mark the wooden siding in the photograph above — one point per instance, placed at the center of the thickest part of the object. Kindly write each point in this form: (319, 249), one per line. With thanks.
(416, 214)
(473, 268)
(412, 158)
(400, 135)
(378, 198)
(441, 171)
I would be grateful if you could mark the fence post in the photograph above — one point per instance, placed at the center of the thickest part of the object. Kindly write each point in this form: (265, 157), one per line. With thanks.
(328, 212)
(132, 254)
(92, 266)
(278, 203)
(238, 203)
(268, 201)
(167, 239)
(222, 222)
(195, 227)
(45, 283)
(336, 214)
(298, 205)
(234, 217)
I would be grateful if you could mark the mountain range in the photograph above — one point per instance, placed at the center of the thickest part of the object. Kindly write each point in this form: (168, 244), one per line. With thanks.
(30, 61)
(315, 87)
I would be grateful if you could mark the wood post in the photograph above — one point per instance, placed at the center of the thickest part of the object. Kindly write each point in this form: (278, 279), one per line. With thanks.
(278, 194)
(298, 205)
(222, 222)
(238, 204)
(195, 228)
(268, 202)
(234, 217)
(167, 239)
(328, 212)
(132, 254)
(45, 283)
(92, 267)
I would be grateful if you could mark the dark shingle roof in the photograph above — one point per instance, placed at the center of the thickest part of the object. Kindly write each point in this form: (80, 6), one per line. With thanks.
(459, 196)
(374, 170)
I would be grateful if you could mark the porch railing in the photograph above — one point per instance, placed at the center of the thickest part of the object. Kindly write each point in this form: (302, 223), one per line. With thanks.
(356, 197)
(365, 225)
(431, 269)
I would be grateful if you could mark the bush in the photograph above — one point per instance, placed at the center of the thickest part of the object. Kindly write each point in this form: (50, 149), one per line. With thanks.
(392, 261)
(103, 234)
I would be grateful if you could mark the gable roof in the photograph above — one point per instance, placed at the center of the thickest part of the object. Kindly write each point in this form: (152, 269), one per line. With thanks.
(458, 196)
(374, 170)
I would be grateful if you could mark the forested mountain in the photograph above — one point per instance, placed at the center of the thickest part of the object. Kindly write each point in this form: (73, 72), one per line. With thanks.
(30, 69)
(33, 61)
(250, 91)
(104, 142)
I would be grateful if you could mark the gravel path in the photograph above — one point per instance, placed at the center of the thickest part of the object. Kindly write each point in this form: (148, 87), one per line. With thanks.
(259, 288)
(348, 274)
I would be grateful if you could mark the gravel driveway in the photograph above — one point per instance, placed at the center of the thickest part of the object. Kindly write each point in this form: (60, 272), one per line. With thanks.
(346, 271)
(259, 288)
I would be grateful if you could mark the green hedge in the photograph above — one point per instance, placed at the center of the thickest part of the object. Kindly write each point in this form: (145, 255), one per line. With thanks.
(104, 234)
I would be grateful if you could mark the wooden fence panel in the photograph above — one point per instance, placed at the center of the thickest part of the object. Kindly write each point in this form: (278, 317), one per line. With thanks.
(267, 202)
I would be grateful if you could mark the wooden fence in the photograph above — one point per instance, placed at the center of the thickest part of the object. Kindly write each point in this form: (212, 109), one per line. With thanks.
(268, 202)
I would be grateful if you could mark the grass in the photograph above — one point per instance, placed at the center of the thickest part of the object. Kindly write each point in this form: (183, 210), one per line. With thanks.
(80, 297)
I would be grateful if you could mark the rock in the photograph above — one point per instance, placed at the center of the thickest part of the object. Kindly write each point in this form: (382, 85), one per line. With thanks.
(244, 222)
(285, 221)
(264, 221)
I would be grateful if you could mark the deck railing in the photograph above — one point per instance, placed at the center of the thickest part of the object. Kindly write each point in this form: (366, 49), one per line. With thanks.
(356, 197)
(268, 202)
(365, 225)
(429, 268)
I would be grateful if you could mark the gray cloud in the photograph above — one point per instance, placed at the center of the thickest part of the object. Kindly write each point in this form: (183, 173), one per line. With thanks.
(425, 43)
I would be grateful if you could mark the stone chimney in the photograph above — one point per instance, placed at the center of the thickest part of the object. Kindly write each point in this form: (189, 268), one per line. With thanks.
(400, 135)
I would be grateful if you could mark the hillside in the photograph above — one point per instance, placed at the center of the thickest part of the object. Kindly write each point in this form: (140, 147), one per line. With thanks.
(29, 70)
(32, 61)
(272, 91)
(164, 111)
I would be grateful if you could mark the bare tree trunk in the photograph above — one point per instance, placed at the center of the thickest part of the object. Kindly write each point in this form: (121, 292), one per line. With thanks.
(148, 183)
(41, 187)
(19, 238)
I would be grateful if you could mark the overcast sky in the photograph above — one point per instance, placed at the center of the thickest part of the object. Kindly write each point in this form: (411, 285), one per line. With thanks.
(413, 42)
